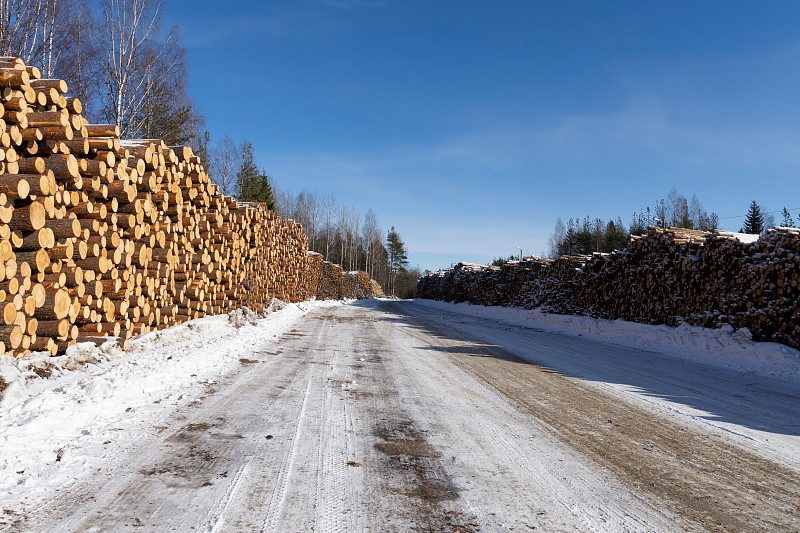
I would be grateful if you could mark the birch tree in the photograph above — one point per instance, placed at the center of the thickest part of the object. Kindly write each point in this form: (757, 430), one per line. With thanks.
(141, 71)
(28, 30)
(328, 212)
(371, 233)
(78, 62)
(226, 161)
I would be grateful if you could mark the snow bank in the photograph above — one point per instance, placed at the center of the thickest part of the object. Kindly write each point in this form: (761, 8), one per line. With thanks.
(53, 409)
(723, 347)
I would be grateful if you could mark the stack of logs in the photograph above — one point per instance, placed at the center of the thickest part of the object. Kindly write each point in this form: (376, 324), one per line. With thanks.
(356, 285)
(309, 282)
(100, 236)
(334, 284)
(669, 276)
(530, 283)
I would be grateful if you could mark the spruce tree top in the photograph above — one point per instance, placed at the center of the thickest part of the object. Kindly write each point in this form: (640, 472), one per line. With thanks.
(754, 221)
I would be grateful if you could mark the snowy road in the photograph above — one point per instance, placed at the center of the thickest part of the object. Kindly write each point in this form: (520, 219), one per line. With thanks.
(398, 416)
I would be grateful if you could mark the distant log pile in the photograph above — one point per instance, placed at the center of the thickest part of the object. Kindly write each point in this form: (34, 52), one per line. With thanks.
(703, 278)
(334, 284)
(376, 288)
(330, 285)
(309, 280)
(101, 236)
(356, 285)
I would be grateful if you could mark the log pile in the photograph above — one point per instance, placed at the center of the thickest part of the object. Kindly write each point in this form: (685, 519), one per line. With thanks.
(375, 288)
(334, 284)
(350, 284)
(669, 276)
(356, 285)
(101, 236)
(330, 285)
(311, 275)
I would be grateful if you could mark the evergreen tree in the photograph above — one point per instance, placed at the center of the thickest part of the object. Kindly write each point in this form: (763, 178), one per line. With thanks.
(788, 221)
(754, 222)
(164, 117)
(253, 185)
(398, 259)
(201, 148)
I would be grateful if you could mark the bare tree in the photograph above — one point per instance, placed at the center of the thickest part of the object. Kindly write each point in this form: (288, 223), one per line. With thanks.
(328, 211)
(342, 235)
(344, 215)
(225, 164)
(141, 71)
(311, 224)
(48, 53)
(78, 63)
(28, 30)
(597, 234)
(695, 212)
(371, 232)
(355, 226)
(17, 22)
(556, 241)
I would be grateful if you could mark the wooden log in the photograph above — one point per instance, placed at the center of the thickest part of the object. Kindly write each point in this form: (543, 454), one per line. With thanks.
(16, 185)
(59, 85)
(102, 130)
(48, 118)
(28, 218)
(56, 305)
(11, 336)
(13, 77)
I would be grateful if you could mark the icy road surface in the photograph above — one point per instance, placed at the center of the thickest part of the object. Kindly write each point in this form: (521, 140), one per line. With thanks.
(401, 416)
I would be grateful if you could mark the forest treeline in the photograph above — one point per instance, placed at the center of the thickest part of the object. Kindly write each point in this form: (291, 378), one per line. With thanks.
(127, 69)
(589, 235)
(355, 240)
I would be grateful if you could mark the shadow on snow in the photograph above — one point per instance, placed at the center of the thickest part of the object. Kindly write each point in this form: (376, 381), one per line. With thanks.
(721, 395)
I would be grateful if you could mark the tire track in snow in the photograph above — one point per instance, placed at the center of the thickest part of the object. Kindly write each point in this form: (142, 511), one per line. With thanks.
(513, 470)
(333, 487)
(276, 507)
(216, 520)
(695, 474)
(122, 498)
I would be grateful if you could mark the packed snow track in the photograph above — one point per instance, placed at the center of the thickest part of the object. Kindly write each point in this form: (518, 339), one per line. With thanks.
(399, 416)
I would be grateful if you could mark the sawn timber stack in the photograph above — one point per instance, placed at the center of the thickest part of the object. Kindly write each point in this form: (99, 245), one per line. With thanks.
(101, 236)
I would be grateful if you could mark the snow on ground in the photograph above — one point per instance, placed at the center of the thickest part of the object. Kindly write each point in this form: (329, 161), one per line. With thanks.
(740, 391)
(91, 415)
(746, 238)
(723, 347)
(92, 392)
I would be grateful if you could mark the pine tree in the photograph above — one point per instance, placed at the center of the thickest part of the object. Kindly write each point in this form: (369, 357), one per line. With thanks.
(201, 149)
(398, 259)
(788, 221)
(754, 222)
(253, 185)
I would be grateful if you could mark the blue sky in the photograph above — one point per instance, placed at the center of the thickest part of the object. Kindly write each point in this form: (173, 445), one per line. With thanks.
(471, 126)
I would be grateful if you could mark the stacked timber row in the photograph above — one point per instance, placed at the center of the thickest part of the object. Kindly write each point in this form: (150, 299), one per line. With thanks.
(356, 285)
(330, 285)
(669, 276)
(309, 280)
(334, 284)
(101, 236)
(376, 289)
